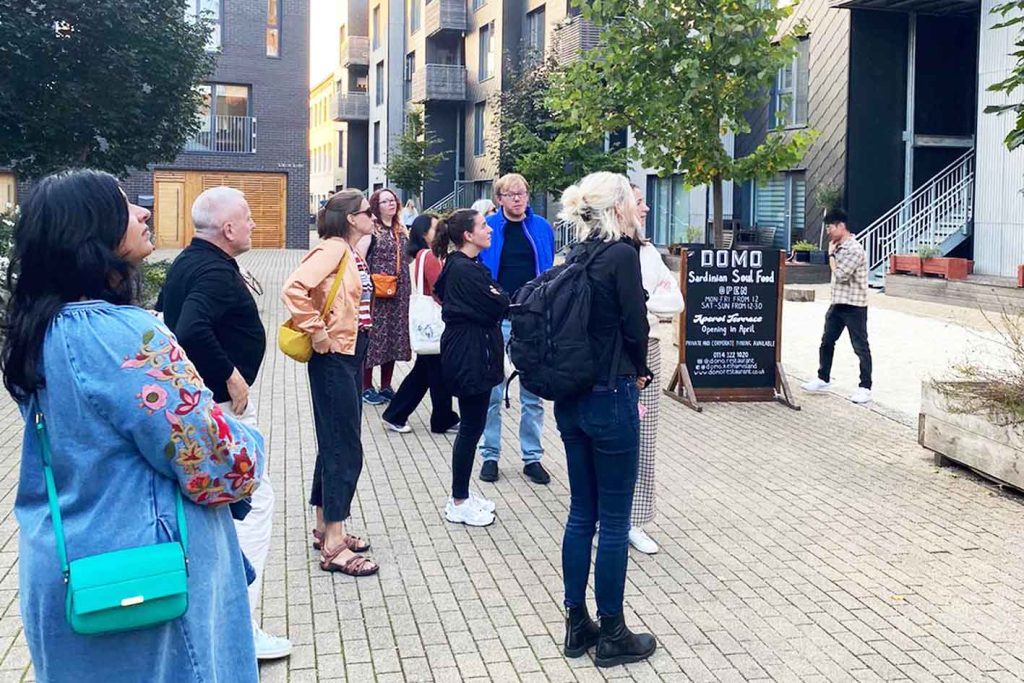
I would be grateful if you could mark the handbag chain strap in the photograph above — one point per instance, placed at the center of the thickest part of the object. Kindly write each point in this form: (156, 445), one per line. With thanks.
(335, 285)
(51, 493)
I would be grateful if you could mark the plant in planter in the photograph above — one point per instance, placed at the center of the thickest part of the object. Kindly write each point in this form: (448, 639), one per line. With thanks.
(929, 261)
(695, 235)
(802, 251)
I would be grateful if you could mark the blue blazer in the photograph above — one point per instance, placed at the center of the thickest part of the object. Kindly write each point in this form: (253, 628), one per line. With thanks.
(538, 232)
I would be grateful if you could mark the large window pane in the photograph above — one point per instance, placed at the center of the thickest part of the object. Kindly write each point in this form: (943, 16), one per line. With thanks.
(669, 201)
(232, 100)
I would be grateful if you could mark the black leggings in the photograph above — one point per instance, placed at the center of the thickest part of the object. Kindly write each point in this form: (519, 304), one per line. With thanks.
(335, 381)
(473, 419)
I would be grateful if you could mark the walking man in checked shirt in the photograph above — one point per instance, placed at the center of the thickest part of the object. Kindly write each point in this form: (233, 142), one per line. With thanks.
(849, 307)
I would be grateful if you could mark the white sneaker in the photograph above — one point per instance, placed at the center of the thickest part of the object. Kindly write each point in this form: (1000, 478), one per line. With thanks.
(861, 395)
(641, 541)
(268, 646)
(484, 504)
(815, 385)
(401, 429)
(467, 514)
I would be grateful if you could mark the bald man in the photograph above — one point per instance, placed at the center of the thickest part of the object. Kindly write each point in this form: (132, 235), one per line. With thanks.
(208, 302)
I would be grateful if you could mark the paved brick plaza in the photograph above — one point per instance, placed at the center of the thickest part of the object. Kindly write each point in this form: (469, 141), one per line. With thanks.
(819, 545)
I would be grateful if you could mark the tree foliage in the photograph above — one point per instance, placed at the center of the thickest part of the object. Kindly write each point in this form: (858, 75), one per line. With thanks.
(409, 165)
(102, 83)
(539, 143)
(1013, 15)
(681, 74)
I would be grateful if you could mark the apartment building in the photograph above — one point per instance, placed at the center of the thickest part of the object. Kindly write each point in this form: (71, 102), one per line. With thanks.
(254, 127)
(326, 144)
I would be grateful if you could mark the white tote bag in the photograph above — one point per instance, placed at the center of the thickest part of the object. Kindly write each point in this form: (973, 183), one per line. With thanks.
(425, 324)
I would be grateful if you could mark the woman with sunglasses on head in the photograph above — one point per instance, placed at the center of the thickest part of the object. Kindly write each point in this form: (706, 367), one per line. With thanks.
(335, 370)
(389, 268)
(426, 371)
(138, 451)
(472, 353)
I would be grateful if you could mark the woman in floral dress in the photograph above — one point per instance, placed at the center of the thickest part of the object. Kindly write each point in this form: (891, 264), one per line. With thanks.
(389, 341)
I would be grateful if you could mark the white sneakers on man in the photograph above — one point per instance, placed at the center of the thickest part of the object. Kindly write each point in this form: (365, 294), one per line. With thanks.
(268, 646)
(861, 395)
(469, 513)
(816, 385)
(481, 502)
(639, 539)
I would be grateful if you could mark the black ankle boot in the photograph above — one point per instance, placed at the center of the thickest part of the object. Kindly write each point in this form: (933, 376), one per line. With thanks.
(618, 645)
(580, 631)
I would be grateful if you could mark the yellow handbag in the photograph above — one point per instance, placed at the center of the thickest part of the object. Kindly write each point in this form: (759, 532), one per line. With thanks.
(295, 343)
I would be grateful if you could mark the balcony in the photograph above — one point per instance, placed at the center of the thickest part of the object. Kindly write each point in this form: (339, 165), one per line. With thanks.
(965, 7)
(229, 135)
(439, 83)
(573, 37)
(445, 15)
(351, 106)
(355, 51)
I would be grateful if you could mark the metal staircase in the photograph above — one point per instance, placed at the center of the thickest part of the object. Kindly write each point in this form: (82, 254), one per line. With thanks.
(939, 214)
(458, 198)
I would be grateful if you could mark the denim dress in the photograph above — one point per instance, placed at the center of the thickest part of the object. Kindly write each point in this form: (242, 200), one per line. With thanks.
(129, 420)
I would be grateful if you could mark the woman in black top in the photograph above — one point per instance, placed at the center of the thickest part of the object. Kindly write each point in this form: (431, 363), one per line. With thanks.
(472, 354)
(601, 428)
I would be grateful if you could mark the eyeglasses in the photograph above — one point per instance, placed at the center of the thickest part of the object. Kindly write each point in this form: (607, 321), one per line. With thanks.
(514, 195)
(250, 281)
(365, 212)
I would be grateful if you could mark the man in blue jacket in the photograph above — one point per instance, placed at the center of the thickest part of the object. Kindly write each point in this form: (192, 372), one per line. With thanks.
(522, 247)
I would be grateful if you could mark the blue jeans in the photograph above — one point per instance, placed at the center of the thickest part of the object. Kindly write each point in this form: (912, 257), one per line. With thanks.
(531, 421)
(601, 432)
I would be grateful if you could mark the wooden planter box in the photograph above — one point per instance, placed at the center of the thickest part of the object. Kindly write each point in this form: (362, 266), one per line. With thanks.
(994, 451)
(943, 266)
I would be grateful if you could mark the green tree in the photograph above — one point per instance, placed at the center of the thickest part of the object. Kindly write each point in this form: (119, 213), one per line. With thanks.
(681, 74)
(539, 143)
(1015, 81)
(102, 83)
(410, 166)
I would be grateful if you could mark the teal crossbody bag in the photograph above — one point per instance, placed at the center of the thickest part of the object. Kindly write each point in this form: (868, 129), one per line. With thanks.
(122, 590)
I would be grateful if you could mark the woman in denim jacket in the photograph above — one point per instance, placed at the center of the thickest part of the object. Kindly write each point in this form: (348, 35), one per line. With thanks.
(129, 420)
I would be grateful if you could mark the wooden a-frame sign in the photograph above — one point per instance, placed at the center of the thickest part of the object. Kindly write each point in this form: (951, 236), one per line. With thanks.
(735, 352)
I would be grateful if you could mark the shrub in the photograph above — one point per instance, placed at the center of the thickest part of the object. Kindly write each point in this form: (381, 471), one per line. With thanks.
(804, 245)
(154, 275)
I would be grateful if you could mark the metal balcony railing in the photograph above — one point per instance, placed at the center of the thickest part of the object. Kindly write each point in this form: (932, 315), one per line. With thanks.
(229, 135)
(439, 83)
(445, 15)
(573, 37)
(351, 106)
(355, 51)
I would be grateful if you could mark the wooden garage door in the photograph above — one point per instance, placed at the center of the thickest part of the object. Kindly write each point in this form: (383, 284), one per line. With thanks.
(267, 197)
(8, 191)
(169, 209)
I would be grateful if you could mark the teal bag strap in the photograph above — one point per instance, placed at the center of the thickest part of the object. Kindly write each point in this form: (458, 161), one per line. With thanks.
(51, 494)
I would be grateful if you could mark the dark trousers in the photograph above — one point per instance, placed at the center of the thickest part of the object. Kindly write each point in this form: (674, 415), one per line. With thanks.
(601, 433)
(473, 410)
(335, 381)
(425, 375)
(855, 320)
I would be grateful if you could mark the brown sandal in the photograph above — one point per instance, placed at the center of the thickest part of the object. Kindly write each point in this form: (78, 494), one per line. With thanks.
(353, 543)
(357, 565)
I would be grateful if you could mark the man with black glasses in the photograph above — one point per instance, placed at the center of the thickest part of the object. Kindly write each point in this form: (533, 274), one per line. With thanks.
(208, 303)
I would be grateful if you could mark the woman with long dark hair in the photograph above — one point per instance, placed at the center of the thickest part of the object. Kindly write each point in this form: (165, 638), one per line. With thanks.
(389, 263)
(601, 428)
(472, 354)
(130, 433)
(339, 346)
(426, 371)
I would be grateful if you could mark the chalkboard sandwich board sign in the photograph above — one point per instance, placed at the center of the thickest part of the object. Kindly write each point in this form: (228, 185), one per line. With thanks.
(730, 332)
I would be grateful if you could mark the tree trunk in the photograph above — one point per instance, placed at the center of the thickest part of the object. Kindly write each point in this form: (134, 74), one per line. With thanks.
(716, 198)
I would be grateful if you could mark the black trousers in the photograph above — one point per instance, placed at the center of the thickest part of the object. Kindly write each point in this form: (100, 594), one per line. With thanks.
(471, 428)
(425, 375)
(336, 384)
(855, 320)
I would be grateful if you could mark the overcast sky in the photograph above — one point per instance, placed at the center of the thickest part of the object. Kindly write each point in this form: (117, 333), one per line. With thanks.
(323, 27)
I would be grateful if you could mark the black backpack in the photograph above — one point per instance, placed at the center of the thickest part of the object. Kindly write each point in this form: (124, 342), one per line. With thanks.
(550, 344)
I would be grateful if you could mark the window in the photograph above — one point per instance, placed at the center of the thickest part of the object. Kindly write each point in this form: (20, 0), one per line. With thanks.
(486, 52)
(341, 148)
(210, 9)
(376, 27)
(376, 142)
(669, 219)
(779, 203)
(477, 4)
(478, 128)
(410, 69)
(273, 28)
(379, 97)
(224, 121)
(413, 11)
(790, 91)
(484, 189)
(534, 35)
